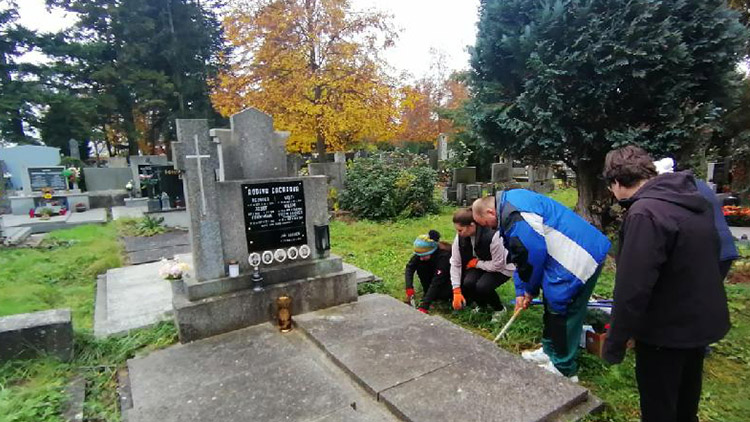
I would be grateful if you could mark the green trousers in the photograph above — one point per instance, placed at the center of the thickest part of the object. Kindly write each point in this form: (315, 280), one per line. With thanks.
(562, 333)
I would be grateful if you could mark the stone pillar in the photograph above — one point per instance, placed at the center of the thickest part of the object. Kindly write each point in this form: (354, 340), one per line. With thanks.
(197, 157)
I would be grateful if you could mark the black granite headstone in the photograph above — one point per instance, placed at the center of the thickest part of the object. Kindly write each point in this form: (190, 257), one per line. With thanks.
(274, 215)
(46, 177)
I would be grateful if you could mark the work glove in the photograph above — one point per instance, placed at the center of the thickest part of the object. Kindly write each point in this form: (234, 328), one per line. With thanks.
(458, 299)
(472, 263)
(409, 294)
(423, 310)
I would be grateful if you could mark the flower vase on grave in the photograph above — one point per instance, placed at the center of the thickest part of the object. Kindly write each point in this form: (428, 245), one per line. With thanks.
(165, 201)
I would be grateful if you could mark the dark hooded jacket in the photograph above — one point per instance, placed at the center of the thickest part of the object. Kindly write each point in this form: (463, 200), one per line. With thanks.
(668, 291)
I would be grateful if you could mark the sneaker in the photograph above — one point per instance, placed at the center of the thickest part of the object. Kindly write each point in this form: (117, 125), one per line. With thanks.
(549, 367)
(574, 379)
(498, 315)
(537, 356)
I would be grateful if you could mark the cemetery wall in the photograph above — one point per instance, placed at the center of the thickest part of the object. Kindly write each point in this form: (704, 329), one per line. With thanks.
(104, 179)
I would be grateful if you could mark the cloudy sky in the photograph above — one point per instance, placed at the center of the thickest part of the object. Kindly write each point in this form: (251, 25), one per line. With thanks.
(446, 25)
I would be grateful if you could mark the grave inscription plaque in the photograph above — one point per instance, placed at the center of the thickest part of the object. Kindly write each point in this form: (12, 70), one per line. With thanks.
(43, 177)
(274, 215)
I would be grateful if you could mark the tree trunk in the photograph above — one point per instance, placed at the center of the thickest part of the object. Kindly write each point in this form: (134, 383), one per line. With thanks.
(320, 147)
(594, 200)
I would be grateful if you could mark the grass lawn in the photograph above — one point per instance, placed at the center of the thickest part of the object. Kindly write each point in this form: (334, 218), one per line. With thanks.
(64, 275)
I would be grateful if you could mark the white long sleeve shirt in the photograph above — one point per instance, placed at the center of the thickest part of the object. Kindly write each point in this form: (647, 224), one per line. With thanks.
(498, 264)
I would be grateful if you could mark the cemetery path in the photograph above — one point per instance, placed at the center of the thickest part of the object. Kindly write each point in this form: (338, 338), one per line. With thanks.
(373, 360)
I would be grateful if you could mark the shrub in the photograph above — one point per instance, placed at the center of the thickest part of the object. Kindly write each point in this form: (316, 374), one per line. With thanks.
(395, 185)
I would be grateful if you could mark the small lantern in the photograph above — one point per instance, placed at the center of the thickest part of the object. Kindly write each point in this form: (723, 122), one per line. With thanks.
(322, 239)
(284, 304)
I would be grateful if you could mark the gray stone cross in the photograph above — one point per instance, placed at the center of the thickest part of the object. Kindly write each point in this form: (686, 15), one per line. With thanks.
(198, 157)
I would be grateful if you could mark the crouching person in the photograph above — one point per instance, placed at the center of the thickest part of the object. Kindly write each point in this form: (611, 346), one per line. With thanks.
(478, 264)
(431, 262)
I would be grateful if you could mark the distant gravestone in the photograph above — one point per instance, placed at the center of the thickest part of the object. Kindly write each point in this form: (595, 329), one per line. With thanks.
(229, 154)
(442, 147)
(335, 173)
(73, 149)
(294, 163)
(473, 192)
(432, 157)
(541, 179)
(117, 162)
(502, 172)
(141, 164)
(264, 221)
(465, 175)
(170, 183)
(339, 157)
(38, 178)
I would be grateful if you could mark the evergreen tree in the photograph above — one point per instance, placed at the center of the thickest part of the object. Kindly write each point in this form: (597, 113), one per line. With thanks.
(571, 79)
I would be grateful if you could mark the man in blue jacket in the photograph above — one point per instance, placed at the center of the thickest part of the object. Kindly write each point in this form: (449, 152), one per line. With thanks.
(555, 251)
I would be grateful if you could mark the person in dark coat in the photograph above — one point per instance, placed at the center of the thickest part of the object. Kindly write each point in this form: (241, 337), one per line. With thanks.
(431, 262)
(729, 252)
(478, 264)
(669, 296)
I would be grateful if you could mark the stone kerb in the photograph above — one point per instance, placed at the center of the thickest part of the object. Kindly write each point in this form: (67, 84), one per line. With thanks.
(38, 333)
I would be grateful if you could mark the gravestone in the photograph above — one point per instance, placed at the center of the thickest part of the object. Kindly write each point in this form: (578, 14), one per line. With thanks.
(541, 179)
(117, 162)
(502, 172)
(432, 157)
(473, 192)
(274, 226)
(143, 163)
(294, 163)
(442, 147)
(37, 178)
(339, 157)
(465, 175)
(229, 162)
(106, 179)
(73, 149)
(170, 182)
(335, 173)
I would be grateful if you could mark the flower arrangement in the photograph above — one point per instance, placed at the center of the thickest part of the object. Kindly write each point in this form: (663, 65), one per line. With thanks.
(737, 216)
(73, 174)
(129, 186)
(173, 269)
(148, 181)
(47, 193)
(7, 175)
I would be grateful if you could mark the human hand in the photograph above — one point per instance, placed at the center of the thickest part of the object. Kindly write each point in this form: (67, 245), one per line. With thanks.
(519, 303)
(458, 299)
(409, 294)
(527, 299)
(472, 263)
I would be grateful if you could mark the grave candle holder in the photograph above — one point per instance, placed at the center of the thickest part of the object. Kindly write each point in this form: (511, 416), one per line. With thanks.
(284, 304)
(257, 280)
(234, 269)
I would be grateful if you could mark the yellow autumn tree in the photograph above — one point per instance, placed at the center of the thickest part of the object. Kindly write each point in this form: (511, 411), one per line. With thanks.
(315, 66)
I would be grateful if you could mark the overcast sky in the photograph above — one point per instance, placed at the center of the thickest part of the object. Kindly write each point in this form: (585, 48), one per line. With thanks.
(446, 25)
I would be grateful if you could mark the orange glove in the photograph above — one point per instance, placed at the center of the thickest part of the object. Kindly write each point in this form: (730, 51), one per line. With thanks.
(458, 299)
(472, 263)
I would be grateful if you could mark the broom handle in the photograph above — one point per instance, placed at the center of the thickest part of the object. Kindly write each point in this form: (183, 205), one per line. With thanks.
(507, 325)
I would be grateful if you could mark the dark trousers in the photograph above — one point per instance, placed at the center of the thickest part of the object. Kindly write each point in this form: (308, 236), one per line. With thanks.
(479, 286)
(435, 291)
(669, 382)
(724, 267)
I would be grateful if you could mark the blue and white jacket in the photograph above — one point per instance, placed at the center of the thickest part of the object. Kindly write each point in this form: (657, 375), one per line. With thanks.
(553, 248)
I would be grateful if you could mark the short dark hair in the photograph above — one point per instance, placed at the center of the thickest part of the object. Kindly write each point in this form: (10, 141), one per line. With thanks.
(628, 166)
(463, 216)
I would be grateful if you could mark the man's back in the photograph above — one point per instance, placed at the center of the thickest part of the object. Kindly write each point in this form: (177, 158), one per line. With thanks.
(669, 245)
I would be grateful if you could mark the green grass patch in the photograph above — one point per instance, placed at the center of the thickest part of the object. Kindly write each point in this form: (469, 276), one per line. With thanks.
(566, 196)
(60, 274)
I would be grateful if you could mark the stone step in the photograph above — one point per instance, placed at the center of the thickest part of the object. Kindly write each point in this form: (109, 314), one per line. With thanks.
(16, 235)
(362, 275)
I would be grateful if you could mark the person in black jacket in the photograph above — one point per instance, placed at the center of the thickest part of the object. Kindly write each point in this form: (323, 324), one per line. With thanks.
(669, 296)
(431, 262)
(478, 264)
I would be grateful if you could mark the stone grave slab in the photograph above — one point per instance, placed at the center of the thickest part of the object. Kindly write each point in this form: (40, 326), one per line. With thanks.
(30, 335)
(250, 374)
(153, 248)
(485, 387)
(131, 297)
(426, 368)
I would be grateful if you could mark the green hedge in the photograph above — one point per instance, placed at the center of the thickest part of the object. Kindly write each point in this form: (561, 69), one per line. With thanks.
(390, 187)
